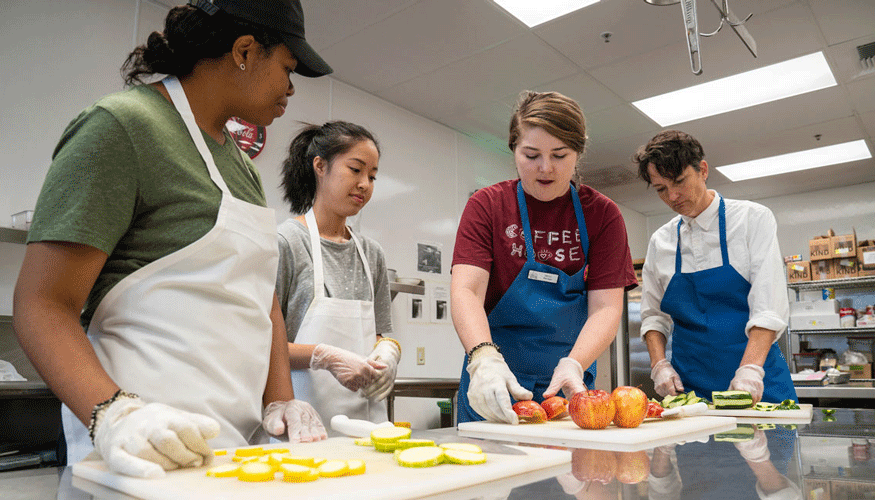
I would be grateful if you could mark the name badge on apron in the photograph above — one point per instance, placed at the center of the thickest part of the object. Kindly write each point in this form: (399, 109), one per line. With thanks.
(542, 276)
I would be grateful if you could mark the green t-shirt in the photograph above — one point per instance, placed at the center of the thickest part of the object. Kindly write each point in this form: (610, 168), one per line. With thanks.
(127, 179)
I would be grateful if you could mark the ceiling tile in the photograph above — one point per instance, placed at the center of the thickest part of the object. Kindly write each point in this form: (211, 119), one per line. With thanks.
(590, 95)
(781, 34)
(417, 40)
(843, 20)
(521, 63)
(330, 22)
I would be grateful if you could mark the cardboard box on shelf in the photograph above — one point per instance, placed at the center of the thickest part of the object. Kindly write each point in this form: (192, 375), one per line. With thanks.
(798, 271)
(866, 257)
(822, 270)
(845, 267)
(820, 247)
(863, 371)
(816, 321)
(844, 245)
(802, 307)
(817, 489)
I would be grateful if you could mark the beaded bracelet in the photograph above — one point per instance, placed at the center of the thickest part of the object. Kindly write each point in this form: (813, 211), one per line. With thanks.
(389, 339)
(100, 408)
(483, 344)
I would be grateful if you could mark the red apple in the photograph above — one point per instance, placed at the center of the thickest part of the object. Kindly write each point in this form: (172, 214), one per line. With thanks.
(632, 467)
(530, 412)
(631, 403)
(593, 465)
(556, 407)
(591, 409)
(654, 410)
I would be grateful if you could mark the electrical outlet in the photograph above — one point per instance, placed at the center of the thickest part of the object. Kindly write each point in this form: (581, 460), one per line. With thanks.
(420, 355)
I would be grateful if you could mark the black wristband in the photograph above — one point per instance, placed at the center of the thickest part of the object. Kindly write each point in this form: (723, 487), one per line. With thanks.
(100, 407)
(483, 344)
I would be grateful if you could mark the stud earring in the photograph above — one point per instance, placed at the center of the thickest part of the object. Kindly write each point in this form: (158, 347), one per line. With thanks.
(242, 67)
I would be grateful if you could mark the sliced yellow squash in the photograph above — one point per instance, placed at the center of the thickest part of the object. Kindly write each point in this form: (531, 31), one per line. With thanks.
(249, 452)
(464, 457)
(298, 473)
(299, 460)
(219, 453)
(403, 444)
(226, 470)
(469, 447)
(420, 456)
(364, 442)
(389, 434)
(256, 472)
(333, 468)
(355, 467)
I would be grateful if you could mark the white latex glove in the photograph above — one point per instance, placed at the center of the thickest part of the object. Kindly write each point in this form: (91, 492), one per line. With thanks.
(567, 376)
(665, 380)
(350, 369)
(389, 354)
(296, 418)
(144, 440)
(570, 484)
(749, 378)
(756, 449)
(491, 380)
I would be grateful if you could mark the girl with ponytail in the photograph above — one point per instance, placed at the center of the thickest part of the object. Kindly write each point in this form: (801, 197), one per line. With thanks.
(151, 235)
(332, 283)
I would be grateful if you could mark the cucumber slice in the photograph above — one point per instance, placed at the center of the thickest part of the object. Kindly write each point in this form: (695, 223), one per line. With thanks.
(226, 470)
(464, 457)
(333, 468)
(294, 473)
(389, 434)
(732, 399)
(743, 432)
(420, 456)
(469, 447)
(766, 427)
(355, 467)
(761, 406)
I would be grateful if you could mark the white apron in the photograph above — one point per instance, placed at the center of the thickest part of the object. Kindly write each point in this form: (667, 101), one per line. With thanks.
(348, 324)
(192, 329)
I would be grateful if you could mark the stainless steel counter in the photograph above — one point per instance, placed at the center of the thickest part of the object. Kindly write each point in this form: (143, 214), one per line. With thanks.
(831, 455)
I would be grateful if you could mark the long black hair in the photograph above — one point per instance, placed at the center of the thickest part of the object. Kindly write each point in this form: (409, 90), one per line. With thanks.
(191, 35)
(325, 141)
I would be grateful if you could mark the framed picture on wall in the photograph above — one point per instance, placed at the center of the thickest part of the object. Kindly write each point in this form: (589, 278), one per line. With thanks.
(428, 258)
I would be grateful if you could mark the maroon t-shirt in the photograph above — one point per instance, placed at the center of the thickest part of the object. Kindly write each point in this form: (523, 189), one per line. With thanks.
(490, 237)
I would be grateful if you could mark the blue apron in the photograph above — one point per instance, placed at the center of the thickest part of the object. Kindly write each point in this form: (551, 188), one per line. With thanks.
(710, 311)
(538, 319)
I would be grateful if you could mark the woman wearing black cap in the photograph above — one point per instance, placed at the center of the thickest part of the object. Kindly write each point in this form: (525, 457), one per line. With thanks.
(151, 234)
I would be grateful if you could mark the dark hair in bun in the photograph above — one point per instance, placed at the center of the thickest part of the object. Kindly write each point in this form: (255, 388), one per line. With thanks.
(191, 35)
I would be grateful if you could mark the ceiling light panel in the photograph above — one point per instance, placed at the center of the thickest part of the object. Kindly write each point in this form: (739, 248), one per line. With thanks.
(533, 13)
(770, 83)
(800, 160)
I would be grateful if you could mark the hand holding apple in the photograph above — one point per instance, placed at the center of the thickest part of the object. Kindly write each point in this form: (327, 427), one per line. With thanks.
(631, 406)
(530, 412)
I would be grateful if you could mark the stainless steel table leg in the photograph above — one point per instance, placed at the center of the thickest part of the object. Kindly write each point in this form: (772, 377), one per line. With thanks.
(390, 408)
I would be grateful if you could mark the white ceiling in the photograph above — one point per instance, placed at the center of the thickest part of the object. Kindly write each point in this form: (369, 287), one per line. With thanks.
(463, 62)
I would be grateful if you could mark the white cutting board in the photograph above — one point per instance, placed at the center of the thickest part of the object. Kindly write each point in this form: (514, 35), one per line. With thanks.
(384, 478)
(747, 416)
(651, 433)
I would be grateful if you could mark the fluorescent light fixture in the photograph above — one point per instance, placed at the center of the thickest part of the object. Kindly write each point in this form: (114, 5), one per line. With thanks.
(800, 160)
(533, 13)
(758, 86)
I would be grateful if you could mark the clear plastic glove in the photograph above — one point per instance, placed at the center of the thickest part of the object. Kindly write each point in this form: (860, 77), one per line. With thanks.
(296, 418)
(749, 378)
(350, 369)
(144, 440)
(665, 380)
(389, 354)
(567, 376)
(756, 449)
(491, 380)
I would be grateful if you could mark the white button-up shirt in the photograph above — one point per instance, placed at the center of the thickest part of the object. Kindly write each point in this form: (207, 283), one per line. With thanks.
(752, 243)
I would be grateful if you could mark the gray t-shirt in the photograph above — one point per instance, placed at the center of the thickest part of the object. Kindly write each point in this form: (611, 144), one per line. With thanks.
(345, 276)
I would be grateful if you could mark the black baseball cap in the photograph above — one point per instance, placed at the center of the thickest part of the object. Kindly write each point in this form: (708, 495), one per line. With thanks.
(286, 17)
